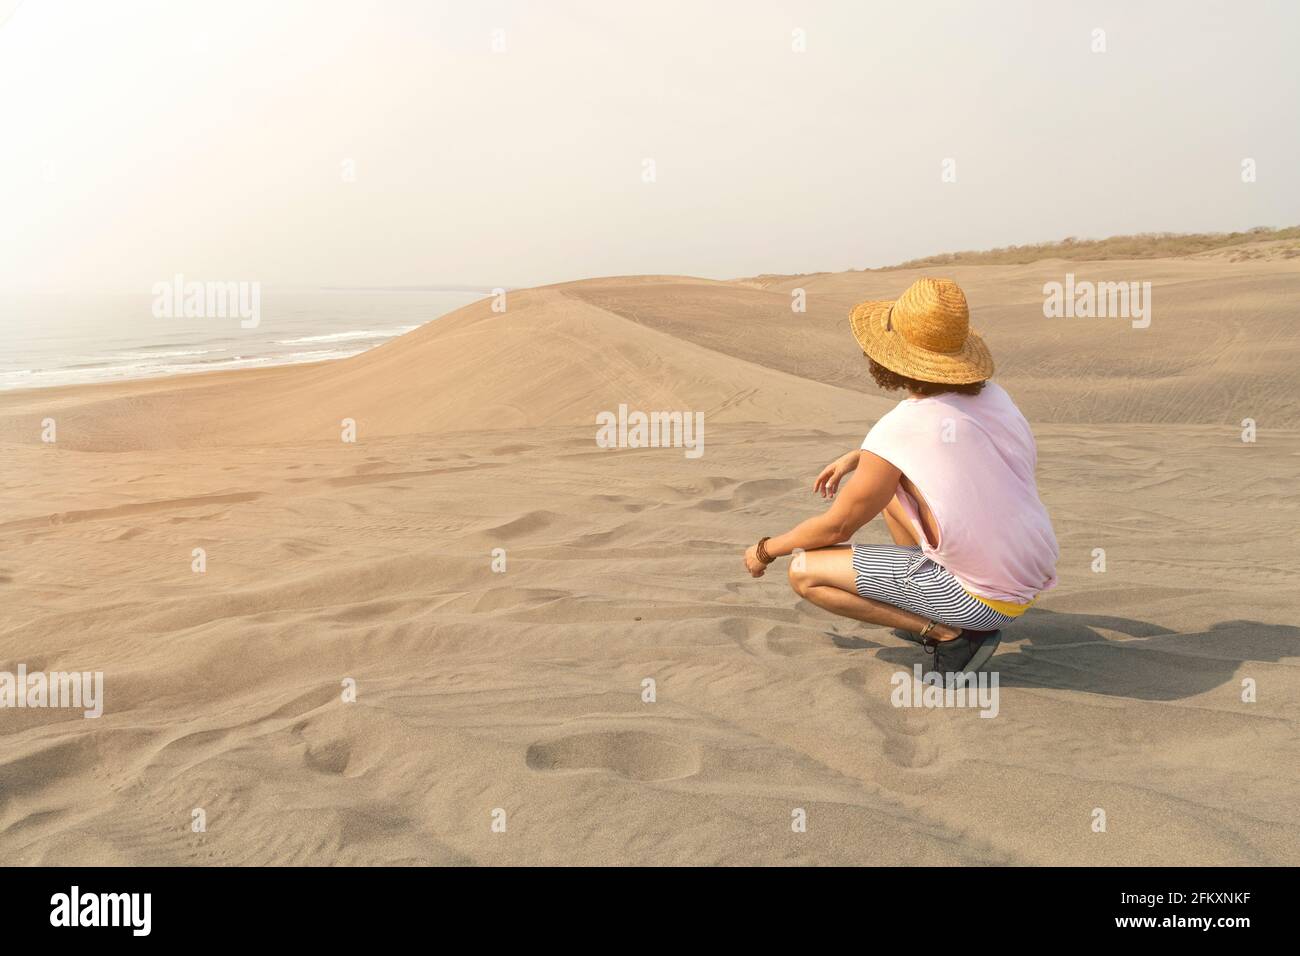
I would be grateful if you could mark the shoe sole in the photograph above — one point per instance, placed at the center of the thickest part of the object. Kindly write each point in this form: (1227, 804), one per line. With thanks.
(984, 654)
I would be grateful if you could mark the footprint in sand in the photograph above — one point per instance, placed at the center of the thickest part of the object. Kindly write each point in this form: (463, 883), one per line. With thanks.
(628, 753)
(908, 739)
(331, 757)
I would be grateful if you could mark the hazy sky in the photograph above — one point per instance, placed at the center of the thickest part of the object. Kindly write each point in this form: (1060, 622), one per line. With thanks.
(139, 140)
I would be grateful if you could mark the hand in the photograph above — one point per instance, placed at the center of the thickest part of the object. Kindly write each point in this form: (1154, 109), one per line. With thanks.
(828, 482)
(754, 566)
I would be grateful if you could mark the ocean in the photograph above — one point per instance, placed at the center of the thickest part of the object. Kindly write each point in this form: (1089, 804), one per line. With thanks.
(54, 339)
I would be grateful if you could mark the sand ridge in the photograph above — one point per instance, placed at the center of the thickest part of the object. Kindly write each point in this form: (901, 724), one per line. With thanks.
(524, 691)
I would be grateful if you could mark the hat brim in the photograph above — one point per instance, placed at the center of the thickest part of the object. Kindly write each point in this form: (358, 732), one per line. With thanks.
(973, 363)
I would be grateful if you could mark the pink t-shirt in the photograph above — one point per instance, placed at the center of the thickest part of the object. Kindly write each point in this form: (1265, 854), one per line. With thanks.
(972, 458)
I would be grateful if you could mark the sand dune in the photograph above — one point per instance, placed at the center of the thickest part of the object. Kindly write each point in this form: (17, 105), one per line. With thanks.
(522, 691)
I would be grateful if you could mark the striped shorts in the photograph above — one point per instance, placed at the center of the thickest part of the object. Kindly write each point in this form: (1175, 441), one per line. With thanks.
(904, 577)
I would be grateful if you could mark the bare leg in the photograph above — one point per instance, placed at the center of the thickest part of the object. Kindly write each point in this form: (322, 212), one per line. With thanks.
(900, 528)
(825, 577)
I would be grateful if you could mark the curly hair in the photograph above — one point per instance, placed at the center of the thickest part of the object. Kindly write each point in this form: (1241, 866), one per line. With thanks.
(891, 381)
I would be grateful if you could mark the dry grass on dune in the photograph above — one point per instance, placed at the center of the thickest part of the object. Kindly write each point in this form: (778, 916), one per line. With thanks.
(1145, 245)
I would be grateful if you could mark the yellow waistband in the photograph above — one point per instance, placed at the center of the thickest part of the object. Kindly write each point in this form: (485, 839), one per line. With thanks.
(1002, 607)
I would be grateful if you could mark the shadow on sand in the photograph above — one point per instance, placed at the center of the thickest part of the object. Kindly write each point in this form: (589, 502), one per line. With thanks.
(1139, 661)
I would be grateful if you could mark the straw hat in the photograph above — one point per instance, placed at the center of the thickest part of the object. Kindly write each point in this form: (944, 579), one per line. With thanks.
(925, 334)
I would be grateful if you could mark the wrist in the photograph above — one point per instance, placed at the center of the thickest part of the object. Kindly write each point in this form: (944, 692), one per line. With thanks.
(761, 552)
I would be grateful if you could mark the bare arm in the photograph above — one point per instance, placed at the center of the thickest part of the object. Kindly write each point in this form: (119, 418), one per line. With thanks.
(861, 500)
(828, 482)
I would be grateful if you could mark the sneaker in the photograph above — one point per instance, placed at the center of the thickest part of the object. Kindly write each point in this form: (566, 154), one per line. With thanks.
(986, 645)
(964, 654)
(912, 636)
